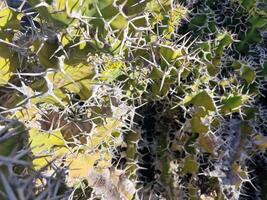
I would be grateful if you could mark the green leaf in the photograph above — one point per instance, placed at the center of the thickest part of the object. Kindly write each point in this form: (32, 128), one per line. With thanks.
(190, 143)
(169, 55)
(8, 146)
(264, 70)
(258, 21)
(193, 192)
(248, 74)
(46, 53)
(156, 74)
(237, 65)
(197, 126)
(250, 113)
(248, 4)
(119, 22)
(190, 165)
(199, 20)
(224, 40)
(231, 103)
(213, 67)
(204, 99)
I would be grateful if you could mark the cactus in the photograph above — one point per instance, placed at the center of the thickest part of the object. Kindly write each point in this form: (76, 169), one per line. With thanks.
(152, 99)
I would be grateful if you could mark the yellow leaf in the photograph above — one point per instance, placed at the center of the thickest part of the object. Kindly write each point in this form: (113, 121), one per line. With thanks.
(8, 18)
(112, 71)
(76, 79)
(82, 164)
(45, 144)
(119, 22)
(102, 133)
(27, 115)
(5, 71)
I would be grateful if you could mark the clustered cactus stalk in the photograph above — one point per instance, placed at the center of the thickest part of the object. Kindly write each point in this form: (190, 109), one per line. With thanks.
(133, 99)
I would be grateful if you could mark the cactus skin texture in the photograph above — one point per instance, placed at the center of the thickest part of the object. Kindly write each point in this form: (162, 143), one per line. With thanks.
(130, 99)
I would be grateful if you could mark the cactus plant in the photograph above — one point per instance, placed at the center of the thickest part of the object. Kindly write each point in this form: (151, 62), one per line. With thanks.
(126, 99)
